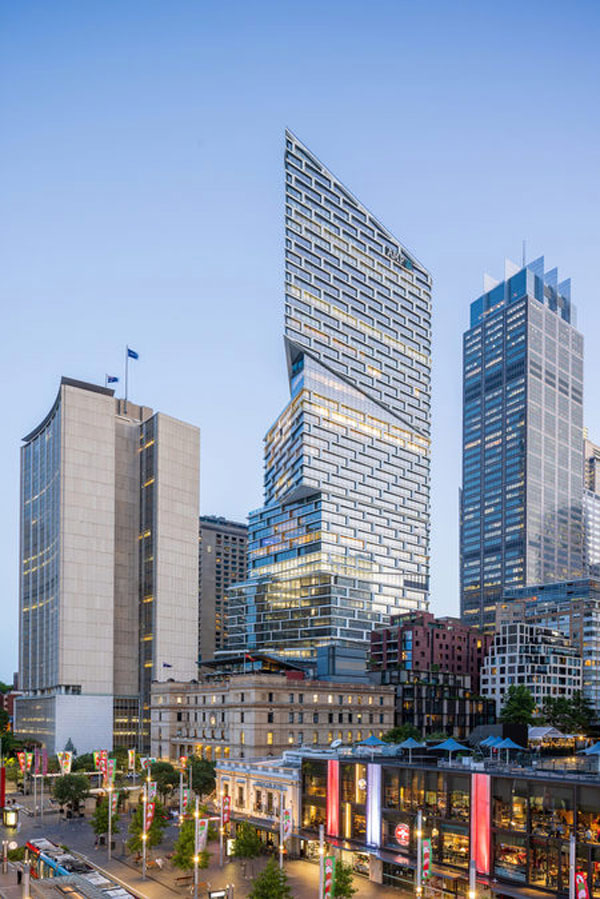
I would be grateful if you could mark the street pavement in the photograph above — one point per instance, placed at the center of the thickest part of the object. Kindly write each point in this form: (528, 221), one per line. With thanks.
(78, 835)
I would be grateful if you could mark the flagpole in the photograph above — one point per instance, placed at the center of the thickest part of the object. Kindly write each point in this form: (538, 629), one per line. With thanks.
(196, 846)
(126, 375)
(144, 834)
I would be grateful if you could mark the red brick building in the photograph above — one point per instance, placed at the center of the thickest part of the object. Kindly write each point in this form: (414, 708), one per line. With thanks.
(420, 642)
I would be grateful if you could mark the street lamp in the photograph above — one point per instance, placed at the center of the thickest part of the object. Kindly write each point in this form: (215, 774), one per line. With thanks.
(110, 789)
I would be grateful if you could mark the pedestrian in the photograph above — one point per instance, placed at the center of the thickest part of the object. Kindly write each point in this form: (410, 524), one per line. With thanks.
(19, 874)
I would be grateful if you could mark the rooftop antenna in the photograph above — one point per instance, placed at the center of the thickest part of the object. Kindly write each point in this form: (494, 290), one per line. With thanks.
(524, 248)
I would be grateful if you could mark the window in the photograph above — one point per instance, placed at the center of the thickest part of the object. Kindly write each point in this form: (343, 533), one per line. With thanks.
(270, 697)
(242, 737)
(315, 697)
(290, 717)
(291, 697)
(301, 698)
(269, 717)
(290, 737)
(315, 737)
(315, 717)
(270, 738)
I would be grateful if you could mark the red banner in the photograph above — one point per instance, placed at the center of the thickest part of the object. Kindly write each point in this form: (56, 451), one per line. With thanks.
(2, 786)
(22, 761)
(329, 877)
(426, 859)
(226, 809)
(114, 802)
(149, 816)
(581, 886)
(402, 834)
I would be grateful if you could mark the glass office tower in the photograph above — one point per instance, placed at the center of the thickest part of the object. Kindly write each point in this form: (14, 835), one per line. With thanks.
(521, 507)
(342, 541)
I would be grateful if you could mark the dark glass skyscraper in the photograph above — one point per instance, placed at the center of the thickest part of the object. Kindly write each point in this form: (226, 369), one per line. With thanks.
(521, 505)
(342, 541)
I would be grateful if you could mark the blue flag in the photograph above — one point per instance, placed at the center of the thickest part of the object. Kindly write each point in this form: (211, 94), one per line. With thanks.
(111, 379)
(132, 353)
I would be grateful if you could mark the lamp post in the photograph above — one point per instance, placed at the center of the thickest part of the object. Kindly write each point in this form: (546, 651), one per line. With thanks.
(572, 866)
(181, 794)
(144, 834)
(472, 879)
(281, 835)
(110, 820)
(196, 845)
(221, 828)
(321, 858)
(419, 853)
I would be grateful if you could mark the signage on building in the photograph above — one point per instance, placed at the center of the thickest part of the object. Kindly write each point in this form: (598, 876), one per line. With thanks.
(402, 833)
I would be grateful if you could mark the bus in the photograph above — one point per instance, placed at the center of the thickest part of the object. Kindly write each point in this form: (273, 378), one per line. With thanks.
(48, 859)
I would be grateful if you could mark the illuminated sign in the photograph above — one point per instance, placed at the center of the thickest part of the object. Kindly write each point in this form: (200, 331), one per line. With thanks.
(333, 797)
(581, 886)
(402, 834)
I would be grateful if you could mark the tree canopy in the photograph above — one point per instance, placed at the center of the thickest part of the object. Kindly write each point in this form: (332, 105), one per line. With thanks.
(71, 789)
(343, 887)
(271, 883)
(519, 706)
(247, 843)
(401, 733)
(136, 828)
(203, 775)
(100, 819)
(574, 715)
(166, 777)
(183, 856)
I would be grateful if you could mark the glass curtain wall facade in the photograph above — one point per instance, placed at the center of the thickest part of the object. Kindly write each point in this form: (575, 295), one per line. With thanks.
(521, 501)
(40, 556)
(342, 541)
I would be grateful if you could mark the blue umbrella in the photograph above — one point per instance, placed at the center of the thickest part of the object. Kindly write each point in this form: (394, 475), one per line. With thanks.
(450, 745)
(410, 744)
(593, 750)
(371, 741)
(508, 744)
(488, 740)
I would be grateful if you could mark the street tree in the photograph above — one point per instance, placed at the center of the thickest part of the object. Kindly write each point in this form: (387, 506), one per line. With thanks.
(136, 828)
(166, 778)
(401, 733)
(71, 789)
(343, 887)
(519, 706)
(203, 775)
(271, 883)
(183, 855)
(100, 819)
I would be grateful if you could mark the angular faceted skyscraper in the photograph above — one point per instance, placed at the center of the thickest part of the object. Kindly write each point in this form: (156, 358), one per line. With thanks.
(521, 515)
(342, 541)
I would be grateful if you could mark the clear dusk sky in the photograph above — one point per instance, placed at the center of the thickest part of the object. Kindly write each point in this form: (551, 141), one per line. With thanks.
(141, 202)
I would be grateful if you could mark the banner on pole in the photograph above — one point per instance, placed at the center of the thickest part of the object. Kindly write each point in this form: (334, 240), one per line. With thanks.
(426, 859)
(149, 816)
(146, 762)
(65, 760)
(581, 886)
(131, 759)
(151, 790)
(44, 761)
(183, 760)
(287, 824)
(22, 761)
(185, 799)
(114, 802)
(36, 761)
(29, 756)
(202, 834)
(226, 809)
(329, 877)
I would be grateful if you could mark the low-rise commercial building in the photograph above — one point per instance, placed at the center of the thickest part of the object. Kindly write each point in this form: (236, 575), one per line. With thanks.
(513, 824)
(260, 707)
(259, 789)
(541, 659)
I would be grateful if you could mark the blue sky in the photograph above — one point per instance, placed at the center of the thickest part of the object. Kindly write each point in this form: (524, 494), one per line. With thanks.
(141, 194)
